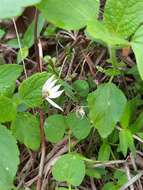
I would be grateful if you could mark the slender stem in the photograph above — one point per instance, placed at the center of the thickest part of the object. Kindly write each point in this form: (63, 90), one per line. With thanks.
(38, 52)
(69, 141)
(70, 187)
(20, 47)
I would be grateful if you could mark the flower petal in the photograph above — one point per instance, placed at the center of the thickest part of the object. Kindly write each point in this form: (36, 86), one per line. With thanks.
(47, 83)
(51, 85)
(55, 88)
(54, 104)
(55, 94)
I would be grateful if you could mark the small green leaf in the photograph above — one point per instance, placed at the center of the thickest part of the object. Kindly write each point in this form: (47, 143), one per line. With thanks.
(69, 168)
(80, 127)
(126, 141)
(60, 14)
(121, 177)
(2, 32)
(9, 158)
(106, 106)
(22, 54)
(7, 109)
(104, 152)
(137, 126)
(93, 172)
(10, 9)
(30, 90)
(28, 38)
(81, 87)
(109, 185)
(8, 75)
(54, 128)
(26, 129)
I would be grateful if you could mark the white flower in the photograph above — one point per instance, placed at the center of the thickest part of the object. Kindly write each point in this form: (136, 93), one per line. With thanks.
(51, 91)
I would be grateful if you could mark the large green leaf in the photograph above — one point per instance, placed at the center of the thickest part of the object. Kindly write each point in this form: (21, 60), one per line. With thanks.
(106, 106)
(26, 129)
(69, 168)
(55, 128)
(123, 17)
(7, 109)
(8, 75)
(69, 14)
(9, 158)
(12, 8)
(30, 90)
(137, 46)
(98, 31)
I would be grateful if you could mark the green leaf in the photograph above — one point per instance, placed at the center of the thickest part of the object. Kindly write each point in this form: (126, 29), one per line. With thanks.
(99, 32)
(9, 158)
(106, 106)
(2, 32)
(28, 38)
(7, 109)
(54, 128)
(10, 9)
(69, 168)
(26, 129)
(109, 185)
(137, 126)
(128, 113)
(121, 177)
(104, 152)
(81, 87)
(137, 46)
(126, 141)
(93, 172)
(30, 90)
(60, 14)
(22, 54)
(123, 17)
(80, 127)
(8, 75)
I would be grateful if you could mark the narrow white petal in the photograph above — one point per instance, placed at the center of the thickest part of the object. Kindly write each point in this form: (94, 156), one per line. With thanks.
(55, 94)
(56, 88)
(51, 85)
(47, 83)
(54, 104)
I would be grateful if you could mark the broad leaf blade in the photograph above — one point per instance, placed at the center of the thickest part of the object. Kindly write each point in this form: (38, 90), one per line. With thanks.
(9, 158)
(106, 106)
(69, 14)
(8, 75)
(26, 129)
(54, 127)
(123, 17)
(30, 90)
(99, 32)
(9, 9)
(69, 168)
(104, 152)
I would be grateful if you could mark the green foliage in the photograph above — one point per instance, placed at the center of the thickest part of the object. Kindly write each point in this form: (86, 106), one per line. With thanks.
(8, 75)
(7, 109)
(9, 158)
(54, 127)
(60, 14)
(30, 90)
(69, 168)
(106, 106)
(25, 128)
(10, 9)
(126, 141)
(81, 87)
(104, 152)
(80, 127)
